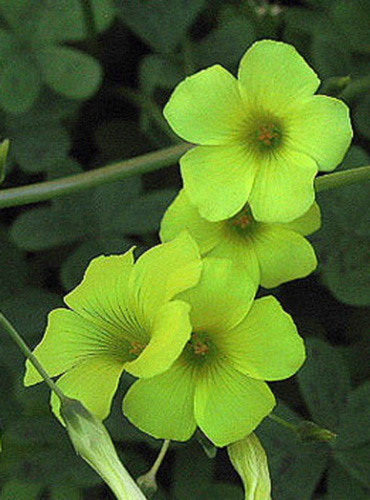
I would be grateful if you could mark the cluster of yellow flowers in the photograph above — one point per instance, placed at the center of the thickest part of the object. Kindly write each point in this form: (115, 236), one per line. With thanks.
(182, 318)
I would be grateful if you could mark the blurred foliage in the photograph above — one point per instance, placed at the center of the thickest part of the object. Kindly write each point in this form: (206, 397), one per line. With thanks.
(81, 88)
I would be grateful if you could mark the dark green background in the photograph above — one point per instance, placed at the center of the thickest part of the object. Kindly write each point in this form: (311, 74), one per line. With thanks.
(76, 95)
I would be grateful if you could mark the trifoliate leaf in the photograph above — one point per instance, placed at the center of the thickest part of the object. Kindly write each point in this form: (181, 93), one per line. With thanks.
(20, 83)
(161, 24)
(324, 383)
(343, 243)
(56, 22)
(295, 468)
(20, 490)
(341, 485)
(70, 72)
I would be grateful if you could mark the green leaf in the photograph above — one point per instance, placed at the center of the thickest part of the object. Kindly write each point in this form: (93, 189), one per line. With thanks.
(356, 461)
(20, 490)
(19, 83)
(354, 427)
(56, 24)
(330, 58)
(159, 72)
(39, 147)
(226, 44)
(324, 383)
(65, 492)
(352, 18)
(13, 267)
(343, 243)
(342, 486)
(75, 264)
(192, 475)
(295, 468)
(70, 72)
(161, 24)
(361, 117)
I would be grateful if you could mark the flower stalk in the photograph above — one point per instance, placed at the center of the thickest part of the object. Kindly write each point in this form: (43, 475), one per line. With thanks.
(147, 482)
(9, 328)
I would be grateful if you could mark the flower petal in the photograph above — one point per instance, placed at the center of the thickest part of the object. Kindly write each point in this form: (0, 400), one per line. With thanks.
(218, 179)
(283, 189)
(94, 382)
(162, 272)
(163, 406)
(228, 404)
(181, 215)
(238, 249)
(102, 295)
(171, 331)
(320, 127)
(283, 255)
(222, 297)
(70, 339)
(266, 345)
(206, 108)
(272, 75)
(308, 223)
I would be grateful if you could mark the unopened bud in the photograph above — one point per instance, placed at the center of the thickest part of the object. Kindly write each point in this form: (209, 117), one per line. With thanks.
(93, 443)
(249, 460)
(309, 432)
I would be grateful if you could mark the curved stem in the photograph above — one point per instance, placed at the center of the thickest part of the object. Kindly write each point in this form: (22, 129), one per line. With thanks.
(342, 178)
(29, 355)
(51, 189)
(282, 422)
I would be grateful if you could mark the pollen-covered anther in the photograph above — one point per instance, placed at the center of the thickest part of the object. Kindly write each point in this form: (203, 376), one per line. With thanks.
(243, 220)
(200, 346)
(136, 348)
(267, 134)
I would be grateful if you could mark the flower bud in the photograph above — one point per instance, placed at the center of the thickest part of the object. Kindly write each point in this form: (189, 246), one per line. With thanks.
(310, 432)
(249, 459)
(93, 443)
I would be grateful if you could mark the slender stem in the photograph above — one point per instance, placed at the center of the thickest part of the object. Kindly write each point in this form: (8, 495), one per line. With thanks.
(73, 183)
(282, 422)
(27, 352)
(89, 16)
(342, 178)
(153, 471)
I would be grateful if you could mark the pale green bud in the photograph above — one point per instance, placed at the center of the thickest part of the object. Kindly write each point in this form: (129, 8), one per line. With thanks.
(249, 460)
(93, 443)
(309, 432)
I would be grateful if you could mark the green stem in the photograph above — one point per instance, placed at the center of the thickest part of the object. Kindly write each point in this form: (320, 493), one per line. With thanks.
(89, 16)
(60, 187)
(282, 422)
(27, 352)
(342, 178)
(153, 471)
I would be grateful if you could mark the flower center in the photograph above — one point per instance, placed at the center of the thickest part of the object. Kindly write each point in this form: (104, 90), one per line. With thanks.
(199, 343)
(243, 222)
(136, 348)
(268, 135)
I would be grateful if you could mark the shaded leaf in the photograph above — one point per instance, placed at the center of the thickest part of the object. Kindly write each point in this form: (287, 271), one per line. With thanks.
(70, 72)
(342, 486)
(295, 468)
(324, 383)
(161, 24)
(20, 83)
